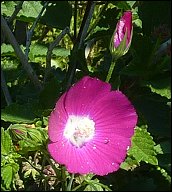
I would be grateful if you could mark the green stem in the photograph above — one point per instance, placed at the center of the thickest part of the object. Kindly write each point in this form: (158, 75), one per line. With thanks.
(111, 70)
(69, 187)
(98, 19)
(63, 176)
(5, 89)
(75, 20)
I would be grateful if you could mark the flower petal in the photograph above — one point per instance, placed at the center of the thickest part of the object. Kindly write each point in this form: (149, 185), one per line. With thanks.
(57, 120)
(83, 94)
(124, 25)
(114, 117)
(114, 113)
(73, 158)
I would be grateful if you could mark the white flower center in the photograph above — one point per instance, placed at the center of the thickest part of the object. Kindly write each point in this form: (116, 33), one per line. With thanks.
(79, 130)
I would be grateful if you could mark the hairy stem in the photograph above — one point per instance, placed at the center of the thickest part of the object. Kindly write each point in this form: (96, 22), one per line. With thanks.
(17, 9)
(98, 18)
(110, 70)
(79, 42)
(75, 19)
(86, 26)
(50, 50)
(69, 187)
(63, 176)
(24, 61)
(5, 89)
(30, 32)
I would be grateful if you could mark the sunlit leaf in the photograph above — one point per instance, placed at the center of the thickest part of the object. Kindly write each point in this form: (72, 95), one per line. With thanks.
(6, 142)
(7, 175)
(161, 86)
(41, 50)
(142, 147)
(30, 9)
(129, 164)
(8, 172)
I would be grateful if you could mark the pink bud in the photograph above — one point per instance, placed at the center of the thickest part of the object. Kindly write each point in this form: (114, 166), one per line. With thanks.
(124, 25)
(18, 131)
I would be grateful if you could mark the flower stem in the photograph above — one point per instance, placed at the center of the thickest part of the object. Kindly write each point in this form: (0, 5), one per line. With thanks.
(69, 187)
(111, 70)
(63, 176)
(5, 89)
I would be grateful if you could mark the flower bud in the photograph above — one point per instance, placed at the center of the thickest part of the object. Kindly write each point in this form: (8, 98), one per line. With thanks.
(122, 36)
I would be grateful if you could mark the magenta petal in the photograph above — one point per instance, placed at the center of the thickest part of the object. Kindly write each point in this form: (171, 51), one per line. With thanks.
(57, 120)
(124, 25)
(114, 113)
(114, 118)
(83, 95)
(74, 159)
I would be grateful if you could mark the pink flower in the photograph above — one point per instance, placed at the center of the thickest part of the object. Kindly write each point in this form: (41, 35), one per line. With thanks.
(91, 127)
(124, 25)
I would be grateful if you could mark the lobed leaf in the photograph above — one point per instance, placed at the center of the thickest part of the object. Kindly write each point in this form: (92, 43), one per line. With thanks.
(142, 148)
(161, 86)
(30, 9)
(8, 172)
(37, 50)
(17, 113)
(7, 175)
(30, 139)
(6, 142)
(129, 164)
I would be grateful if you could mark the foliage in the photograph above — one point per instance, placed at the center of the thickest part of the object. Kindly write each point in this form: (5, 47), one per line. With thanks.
(143, 74)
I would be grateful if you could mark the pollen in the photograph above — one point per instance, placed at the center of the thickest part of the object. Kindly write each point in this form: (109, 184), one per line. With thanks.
(79, 130)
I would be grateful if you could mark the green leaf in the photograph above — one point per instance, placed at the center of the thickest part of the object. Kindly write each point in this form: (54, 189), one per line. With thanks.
(158, 149)
(93, 187)
(129, 164)
(30, 9)
(41, 50)
(17, 113)
(5, 48)
(160, 86)
(7, 7)
(164, 174)
(25, 132)
(142, 148)
(6, 142)
(30, 139)
(7, 175)
(58, 15)
(61, 52)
